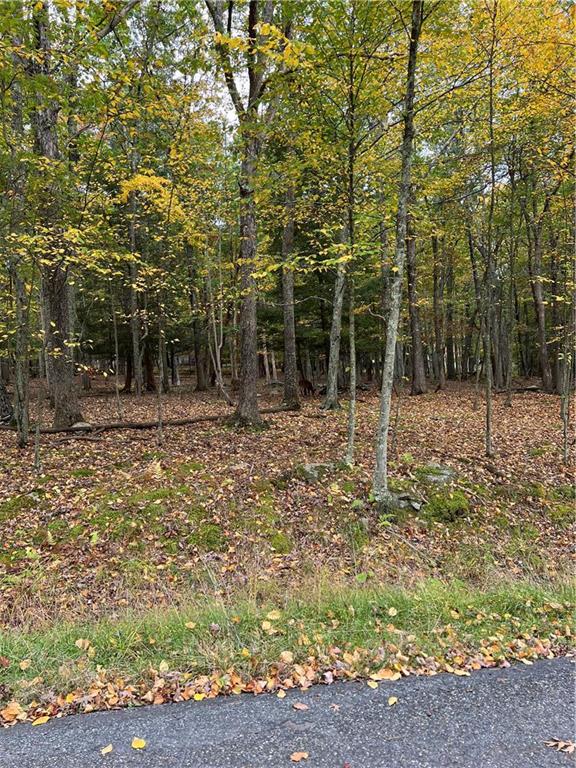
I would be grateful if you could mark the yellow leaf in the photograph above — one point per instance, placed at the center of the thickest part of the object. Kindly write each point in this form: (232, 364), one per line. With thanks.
(245, 652)
(138, 743)
(281, 694)
(287, 657)
(273, 615)
(190, 624)
(24, 664)
(392, 612)
(199, 696)
(266, 625)
(82, 643)
(41, 720)
(392, 700)
(385, 674)
(372, 684)
(296, 757)
(106, 750)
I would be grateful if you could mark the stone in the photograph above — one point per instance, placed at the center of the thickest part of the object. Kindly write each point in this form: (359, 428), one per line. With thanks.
(82, 425)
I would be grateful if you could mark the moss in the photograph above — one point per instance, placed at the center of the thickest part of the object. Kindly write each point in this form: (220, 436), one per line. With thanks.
(349, 486)
(157, 494)
(208, 537)
(535, 490)
(281, 542)
(398, 484)
(357, 535)
(562, 514)
(446, 505)
(13, 506)
(83, 472)
(537, 451)
(189, 468)
(567, 492)
(262, 485)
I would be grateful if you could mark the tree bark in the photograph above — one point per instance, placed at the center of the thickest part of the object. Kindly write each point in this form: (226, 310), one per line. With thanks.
(55, 286)
(438, 315)
(6, 410)
(380, 483)
(247, 412)
(291, 396)
(418, 384)
(331, 401)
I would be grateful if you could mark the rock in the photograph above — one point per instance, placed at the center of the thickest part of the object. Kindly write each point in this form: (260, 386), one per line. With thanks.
(398, 502)
(312, 473)
(437, 474)
(82, 425)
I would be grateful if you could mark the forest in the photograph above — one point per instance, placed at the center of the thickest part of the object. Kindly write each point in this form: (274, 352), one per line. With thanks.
(287, 327)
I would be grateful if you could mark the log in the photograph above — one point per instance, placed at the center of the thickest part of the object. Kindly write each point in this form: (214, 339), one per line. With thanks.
(97, 428)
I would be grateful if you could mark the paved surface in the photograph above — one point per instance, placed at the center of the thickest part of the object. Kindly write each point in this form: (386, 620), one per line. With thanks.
(493, 719)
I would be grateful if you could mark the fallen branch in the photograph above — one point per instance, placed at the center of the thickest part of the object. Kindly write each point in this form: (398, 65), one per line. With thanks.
(97, 428)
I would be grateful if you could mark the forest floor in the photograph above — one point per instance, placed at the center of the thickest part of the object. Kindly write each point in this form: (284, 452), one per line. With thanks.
(227, 529)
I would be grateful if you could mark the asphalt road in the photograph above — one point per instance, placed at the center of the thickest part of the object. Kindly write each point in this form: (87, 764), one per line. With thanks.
(492, 719)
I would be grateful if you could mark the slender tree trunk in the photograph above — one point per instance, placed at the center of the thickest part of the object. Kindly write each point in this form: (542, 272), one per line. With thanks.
(438, 315)
(352, 404)
(331, 401)
(450, 352)
(291, 394)
(418, 385)
(540, 307)
(380, 484)
(6, 410)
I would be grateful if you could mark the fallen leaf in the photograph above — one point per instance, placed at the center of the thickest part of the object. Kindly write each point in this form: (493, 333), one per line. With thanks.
(300, 706)
(287, 657)
(281, 694)
(561, 746)
(273, 615)
(392, 612)
(41, 720)
(25, 664)
(392, 700)
(190, 625)
(385, 674)
(138, 743)
(106, 750)
(372, 684)
(296, 757)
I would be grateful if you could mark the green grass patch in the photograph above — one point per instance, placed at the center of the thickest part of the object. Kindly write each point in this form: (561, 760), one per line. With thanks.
(434, 620)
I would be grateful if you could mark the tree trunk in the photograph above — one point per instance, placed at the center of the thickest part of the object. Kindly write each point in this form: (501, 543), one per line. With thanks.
(331, 400)
(6, 410)
(380, 484)
(291, 396)
(540, 307)
(438, 316)
(450, 353)
(148, 362)
(56, 294)
(55, 287)
(352, 404)
(418, 385)
(247, 412)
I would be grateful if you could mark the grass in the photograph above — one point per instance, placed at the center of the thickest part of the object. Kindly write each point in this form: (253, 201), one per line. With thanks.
(437, 620)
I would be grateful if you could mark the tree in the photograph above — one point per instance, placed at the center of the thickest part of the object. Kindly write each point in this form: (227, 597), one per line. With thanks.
(380, 484)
